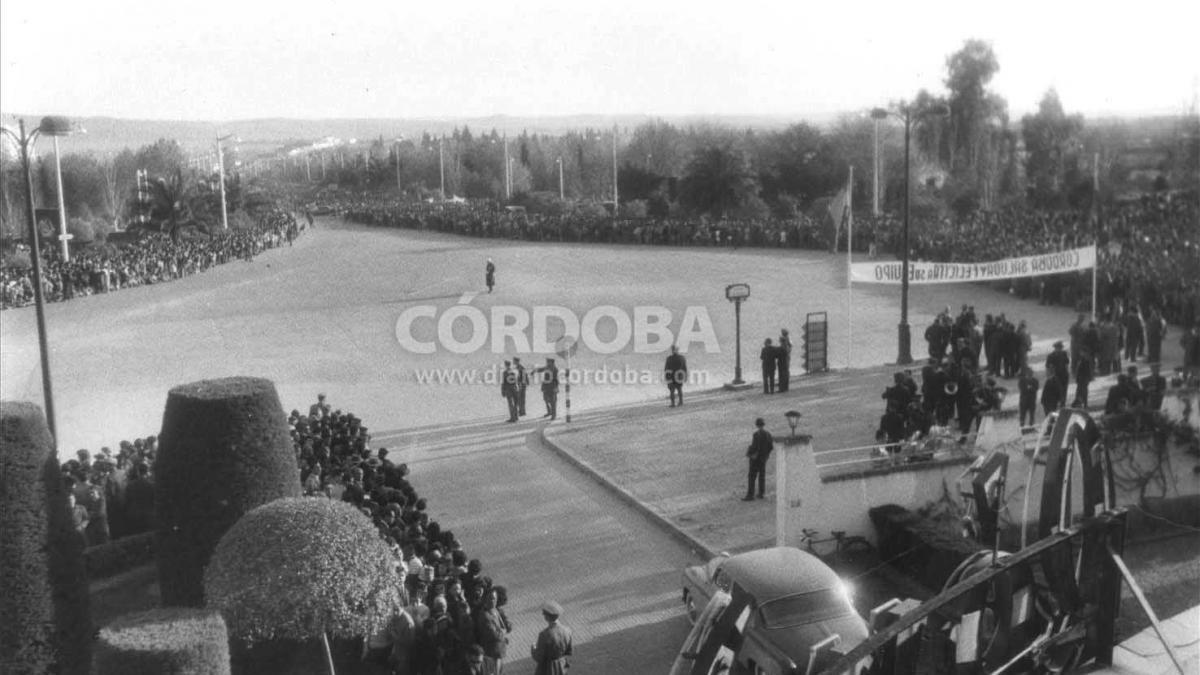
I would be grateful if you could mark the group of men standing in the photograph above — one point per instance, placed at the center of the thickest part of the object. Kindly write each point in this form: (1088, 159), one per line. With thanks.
(776, 363)
(515, 380)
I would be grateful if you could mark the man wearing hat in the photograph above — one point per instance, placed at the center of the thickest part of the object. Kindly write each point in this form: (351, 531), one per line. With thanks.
(761, 445)
(508, 389)
(783, 360)
(1059, 363)
(522, 385)
(548, 375)
(553, 643)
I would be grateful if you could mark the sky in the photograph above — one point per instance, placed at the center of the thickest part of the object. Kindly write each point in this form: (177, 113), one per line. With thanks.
(226, 60)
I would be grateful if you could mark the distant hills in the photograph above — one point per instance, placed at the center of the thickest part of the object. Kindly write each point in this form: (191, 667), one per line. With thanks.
(108, 135)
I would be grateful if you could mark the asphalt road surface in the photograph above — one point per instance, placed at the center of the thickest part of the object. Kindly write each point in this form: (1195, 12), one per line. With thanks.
(322, 317)
(549, 532)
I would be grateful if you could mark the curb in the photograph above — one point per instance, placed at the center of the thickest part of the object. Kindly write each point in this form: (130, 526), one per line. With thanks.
(696, 544)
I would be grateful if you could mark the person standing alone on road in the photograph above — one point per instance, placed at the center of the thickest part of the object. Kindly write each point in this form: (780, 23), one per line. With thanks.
(761, 445)
(675, 373)
(489, 274)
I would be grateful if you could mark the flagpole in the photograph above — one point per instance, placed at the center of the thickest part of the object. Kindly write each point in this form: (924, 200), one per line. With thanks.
(850, 261)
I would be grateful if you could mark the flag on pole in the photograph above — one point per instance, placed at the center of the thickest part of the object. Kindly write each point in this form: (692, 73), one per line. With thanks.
(839, 210)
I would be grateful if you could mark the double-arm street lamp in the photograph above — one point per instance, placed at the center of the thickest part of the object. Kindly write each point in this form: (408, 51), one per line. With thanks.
(50, 126)
(908, 114)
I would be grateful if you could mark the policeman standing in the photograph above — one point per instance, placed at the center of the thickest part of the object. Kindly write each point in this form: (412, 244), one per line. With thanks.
(508, 389)
(522, 385)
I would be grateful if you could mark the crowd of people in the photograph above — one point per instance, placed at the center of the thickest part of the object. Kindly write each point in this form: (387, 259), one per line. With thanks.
(959, 380)
(966, 360)
(152, 258)
(1148, 250)
(454, 618)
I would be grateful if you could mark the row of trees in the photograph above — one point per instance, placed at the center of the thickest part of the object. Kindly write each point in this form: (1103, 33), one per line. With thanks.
(974, 157)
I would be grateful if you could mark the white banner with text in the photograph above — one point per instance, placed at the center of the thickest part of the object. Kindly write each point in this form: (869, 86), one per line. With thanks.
(890, 272)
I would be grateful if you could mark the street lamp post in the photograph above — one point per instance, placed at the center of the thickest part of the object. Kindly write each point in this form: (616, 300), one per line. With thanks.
(49, 126)
(221, 176)
(616, 200)
(442, 167)
(561, 194)
(906, 113)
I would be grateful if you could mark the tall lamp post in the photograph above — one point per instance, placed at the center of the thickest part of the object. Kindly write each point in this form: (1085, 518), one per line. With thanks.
(50, 126)
(221, 175)
(55, 127)
(561, 194)
(907, 114)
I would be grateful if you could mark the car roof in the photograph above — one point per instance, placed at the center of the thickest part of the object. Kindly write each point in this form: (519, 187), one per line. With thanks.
(773, 573)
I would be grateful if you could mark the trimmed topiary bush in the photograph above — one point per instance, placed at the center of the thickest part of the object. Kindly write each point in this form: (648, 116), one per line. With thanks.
(119, 555)
(224, 449)
(303, 568)
(45, 625)
(172, 641)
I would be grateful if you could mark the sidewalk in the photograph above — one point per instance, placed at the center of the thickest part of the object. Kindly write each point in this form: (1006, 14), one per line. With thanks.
(686, 466)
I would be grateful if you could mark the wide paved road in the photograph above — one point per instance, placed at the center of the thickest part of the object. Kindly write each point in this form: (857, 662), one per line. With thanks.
(547, 531)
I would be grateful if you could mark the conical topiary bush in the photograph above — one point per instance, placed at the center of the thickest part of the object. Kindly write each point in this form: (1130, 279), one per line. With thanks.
(45, 623)
(224, 450)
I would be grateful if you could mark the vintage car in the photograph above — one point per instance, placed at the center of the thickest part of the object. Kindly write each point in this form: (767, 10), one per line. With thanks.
(776, 605)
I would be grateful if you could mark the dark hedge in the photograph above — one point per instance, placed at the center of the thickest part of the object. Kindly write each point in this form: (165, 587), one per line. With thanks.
(171, 641)
(45, 624)
(224, 449)
(119, 555)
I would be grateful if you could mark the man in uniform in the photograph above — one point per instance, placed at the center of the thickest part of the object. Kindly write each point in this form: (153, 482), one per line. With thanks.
(767, 356)
(675, 373)
(522, 385)
(761, 445)
(489, 274)
(508, 389)
(548, 375)
(553, 644)
(784, 360)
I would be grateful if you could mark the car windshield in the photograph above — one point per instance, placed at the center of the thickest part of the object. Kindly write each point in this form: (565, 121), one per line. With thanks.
(804, 608)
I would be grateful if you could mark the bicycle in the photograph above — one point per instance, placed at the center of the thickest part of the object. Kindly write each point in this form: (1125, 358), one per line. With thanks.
(847, 549)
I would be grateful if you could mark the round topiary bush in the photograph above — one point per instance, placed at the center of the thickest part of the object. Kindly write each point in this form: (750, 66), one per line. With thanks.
(224, 449)
(302, 568)
(172, 641)
(45, 624)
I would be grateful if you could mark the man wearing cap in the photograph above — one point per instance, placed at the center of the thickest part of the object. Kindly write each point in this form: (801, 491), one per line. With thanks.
(761, 445)
(675, 373)
(553, 643)
(508, 389)
(522, 385)
(1059, 363)
(548, 375)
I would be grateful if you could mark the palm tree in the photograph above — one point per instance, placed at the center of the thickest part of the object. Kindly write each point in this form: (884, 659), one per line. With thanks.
(174, 207)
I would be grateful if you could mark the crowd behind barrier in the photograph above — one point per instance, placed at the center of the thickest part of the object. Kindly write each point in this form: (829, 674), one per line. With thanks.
(452, 609)
(1148, 250)
(153, 258)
